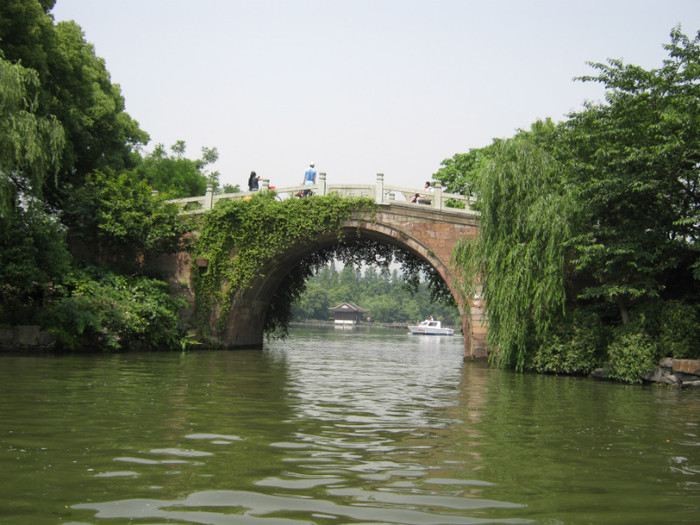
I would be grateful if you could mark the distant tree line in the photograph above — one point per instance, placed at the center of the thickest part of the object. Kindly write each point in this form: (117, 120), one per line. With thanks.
(380, 290)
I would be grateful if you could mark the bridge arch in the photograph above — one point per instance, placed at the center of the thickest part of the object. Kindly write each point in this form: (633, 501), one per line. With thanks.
(421, 232)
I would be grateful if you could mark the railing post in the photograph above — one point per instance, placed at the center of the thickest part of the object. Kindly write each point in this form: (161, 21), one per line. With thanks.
(209, 197)
(322, 183)
(437, 195)
(379, 189)
(265, 184)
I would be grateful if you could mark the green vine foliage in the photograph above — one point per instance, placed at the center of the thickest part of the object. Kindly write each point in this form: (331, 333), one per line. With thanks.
(238, 237)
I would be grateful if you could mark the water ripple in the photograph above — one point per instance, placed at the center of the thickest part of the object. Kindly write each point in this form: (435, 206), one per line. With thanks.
(254, 507)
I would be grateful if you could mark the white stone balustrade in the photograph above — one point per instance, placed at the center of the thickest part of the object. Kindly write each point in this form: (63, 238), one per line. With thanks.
(379, 192)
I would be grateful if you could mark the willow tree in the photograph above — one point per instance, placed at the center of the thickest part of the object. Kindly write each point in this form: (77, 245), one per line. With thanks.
(519, 257)
(31, 250)
(30, 145)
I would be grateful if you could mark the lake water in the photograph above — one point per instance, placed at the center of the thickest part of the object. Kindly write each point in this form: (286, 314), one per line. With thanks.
(334, 427)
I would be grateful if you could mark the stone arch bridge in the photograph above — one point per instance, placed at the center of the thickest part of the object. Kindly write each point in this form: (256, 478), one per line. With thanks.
(427, 228)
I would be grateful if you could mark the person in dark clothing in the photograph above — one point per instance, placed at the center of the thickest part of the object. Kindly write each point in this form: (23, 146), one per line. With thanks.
(253, 182)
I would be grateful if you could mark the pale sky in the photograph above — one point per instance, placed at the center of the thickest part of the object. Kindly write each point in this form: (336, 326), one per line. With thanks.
(360, 86)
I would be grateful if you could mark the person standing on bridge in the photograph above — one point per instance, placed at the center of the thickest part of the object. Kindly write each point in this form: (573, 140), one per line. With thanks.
(253, 181)
(309, 178)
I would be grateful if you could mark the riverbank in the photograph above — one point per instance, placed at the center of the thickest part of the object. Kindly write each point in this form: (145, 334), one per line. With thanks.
(672, 372)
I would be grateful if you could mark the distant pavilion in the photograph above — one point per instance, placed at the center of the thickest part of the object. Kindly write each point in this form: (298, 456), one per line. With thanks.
(348, 313)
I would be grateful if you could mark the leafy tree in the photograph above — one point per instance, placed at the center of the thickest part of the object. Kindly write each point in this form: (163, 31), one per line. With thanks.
(33, 253)
(27, 33)
(101, 135)
(636, 160)
(313, 303)
(75, 87)
(347, 288)
(124, 222)
(519, 257)
(230, 188)
(458, 173)
(177, 176)
(34, 260)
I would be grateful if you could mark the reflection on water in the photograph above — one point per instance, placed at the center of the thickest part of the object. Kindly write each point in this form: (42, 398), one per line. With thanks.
(252, 504)
(337, 427)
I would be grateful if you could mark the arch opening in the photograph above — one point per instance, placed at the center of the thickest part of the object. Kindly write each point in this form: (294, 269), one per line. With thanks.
(264, 308)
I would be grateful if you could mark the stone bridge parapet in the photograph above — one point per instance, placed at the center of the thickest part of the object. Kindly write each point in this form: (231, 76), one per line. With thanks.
(434, 198)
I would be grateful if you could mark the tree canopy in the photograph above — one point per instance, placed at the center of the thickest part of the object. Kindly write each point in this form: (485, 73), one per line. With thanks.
(523, 230)
(595, 216)
(635, 163)
(74, 87)
(177, 176)
(30, 145)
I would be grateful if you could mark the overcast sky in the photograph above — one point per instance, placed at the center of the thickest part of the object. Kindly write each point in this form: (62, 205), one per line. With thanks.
(360, 86)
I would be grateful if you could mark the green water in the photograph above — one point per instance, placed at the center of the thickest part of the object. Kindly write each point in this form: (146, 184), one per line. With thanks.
(336, 427)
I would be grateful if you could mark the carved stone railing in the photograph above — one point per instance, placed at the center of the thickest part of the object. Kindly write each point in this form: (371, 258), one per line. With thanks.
(381, 193)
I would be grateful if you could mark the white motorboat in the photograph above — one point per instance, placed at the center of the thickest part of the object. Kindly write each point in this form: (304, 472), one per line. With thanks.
(430, 327)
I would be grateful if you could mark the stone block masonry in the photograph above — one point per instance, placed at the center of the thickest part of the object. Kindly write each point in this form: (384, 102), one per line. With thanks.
(676, 372)
(26, 337)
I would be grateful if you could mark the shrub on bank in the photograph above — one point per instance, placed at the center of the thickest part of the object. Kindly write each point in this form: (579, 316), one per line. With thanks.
(657, 329)
(106, 311)
(576, 347)
(582, 341)
(679, 330)
(632, 355)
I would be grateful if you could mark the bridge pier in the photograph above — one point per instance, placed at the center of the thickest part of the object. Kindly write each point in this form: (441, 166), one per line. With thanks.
(478, 326)
(245, 326)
